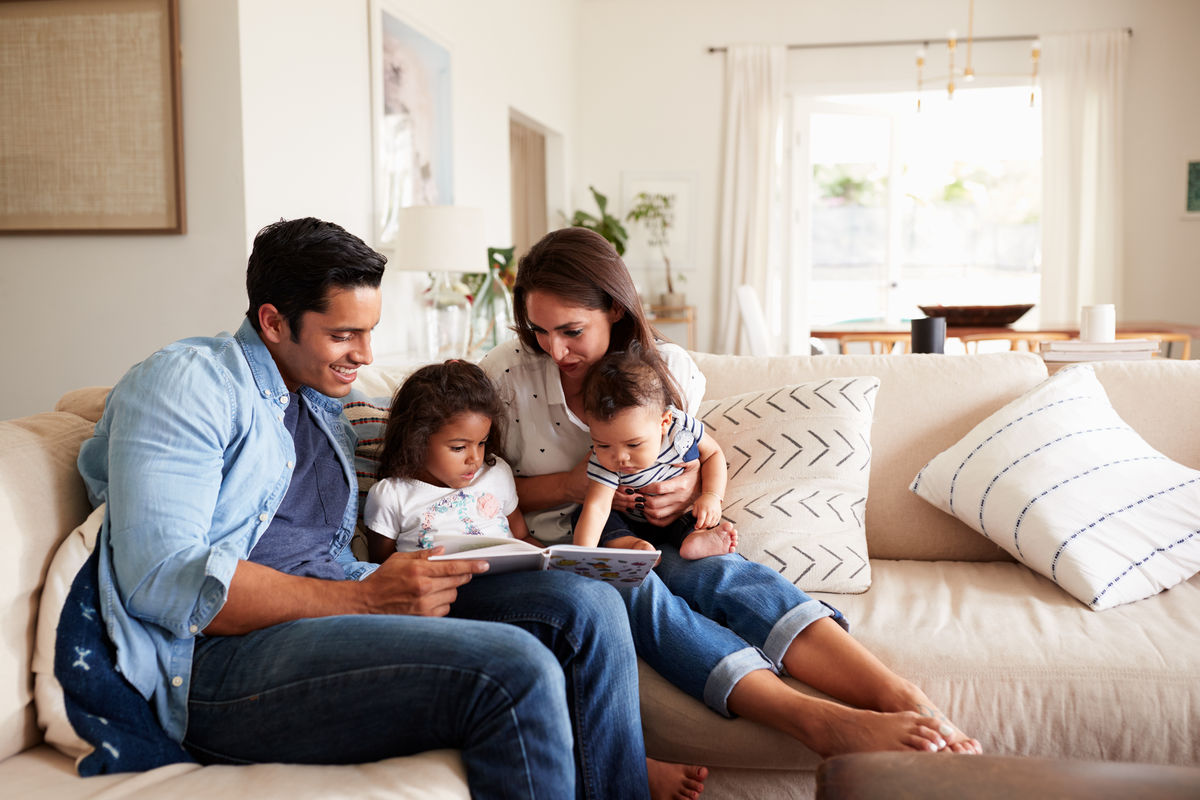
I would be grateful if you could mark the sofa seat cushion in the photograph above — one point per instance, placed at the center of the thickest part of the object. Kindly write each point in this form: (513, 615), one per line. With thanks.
(44, 773)
(1011, 659)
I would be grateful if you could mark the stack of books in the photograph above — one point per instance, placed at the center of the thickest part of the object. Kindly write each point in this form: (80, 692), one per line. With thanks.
(1119, 350)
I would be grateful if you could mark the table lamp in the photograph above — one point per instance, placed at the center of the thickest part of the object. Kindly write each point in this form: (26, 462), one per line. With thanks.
(445, 241)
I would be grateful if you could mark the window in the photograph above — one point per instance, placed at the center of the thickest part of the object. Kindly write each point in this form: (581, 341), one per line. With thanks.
(898, 208)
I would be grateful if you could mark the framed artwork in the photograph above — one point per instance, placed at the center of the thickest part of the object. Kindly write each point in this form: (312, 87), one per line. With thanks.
(680, 187)
(90, 117)
(1192, 206)
(412, 113)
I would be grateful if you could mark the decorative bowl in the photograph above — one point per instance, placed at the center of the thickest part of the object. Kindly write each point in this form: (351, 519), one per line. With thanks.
(978, 316)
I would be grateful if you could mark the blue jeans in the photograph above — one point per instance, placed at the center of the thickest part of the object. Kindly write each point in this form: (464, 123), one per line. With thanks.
(355, 689)
(705, 624)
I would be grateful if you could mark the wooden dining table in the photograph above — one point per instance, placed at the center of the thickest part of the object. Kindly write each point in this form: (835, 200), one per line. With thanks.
(838, 330)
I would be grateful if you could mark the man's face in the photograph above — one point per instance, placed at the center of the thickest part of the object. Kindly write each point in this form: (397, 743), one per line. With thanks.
(330, 345)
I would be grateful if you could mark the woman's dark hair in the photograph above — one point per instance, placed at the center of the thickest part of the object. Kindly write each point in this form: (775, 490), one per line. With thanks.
(427, 400)
(628, 379)
(294, 264)
(581, 267)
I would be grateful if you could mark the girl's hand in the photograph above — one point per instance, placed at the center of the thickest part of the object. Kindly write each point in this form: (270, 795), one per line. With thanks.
(707, 510)
(664, 502)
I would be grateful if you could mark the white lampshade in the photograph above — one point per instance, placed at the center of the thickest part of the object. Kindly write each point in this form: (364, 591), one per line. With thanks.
(439, 239)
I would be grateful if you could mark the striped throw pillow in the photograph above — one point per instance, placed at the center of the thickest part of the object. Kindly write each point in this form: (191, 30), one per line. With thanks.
(1063, 484)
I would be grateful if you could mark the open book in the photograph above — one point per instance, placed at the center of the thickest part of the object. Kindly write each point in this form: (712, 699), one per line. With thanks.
(610, 564)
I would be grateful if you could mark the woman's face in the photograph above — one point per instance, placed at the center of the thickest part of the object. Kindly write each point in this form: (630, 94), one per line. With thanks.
(574, 336)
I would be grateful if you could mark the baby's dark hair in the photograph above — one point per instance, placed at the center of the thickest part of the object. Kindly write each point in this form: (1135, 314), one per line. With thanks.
(427, 400)
(628, 379)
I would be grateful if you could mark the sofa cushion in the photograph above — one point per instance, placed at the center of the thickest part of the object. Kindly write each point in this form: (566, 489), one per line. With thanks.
(1068, 488)
(42, 499)
(925, 404)
(799, 466)
(1009, 657)
(47, 691)
(46, 774)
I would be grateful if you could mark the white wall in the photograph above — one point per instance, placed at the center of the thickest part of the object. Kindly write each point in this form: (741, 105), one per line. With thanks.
(653, 101)
(79, 310)
(277, 123)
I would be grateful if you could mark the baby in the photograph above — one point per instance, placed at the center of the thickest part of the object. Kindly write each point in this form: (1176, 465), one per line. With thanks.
(639, 437)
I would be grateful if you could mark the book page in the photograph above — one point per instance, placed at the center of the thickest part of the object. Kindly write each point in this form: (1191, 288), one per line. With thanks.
(502, 553)
(610, 564)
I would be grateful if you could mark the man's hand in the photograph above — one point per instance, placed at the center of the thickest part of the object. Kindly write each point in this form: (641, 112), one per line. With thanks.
(409, 583)
(664, 502)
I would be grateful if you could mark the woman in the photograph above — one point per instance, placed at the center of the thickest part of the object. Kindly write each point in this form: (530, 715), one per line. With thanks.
(574, 301)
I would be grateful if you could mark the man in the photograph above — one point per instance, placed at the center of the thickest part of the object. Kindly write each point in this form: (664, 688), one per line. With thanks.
(239, 612)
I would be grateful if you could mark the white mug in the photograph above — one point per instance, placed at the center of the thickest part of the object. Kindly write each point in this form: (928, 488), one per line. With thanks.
(1098, 323)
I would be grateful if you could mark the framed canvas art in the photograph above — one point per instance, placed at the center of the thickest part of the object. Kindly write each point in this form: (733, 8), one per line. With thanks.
(413, 118)
(90, 117)
(1192, 204)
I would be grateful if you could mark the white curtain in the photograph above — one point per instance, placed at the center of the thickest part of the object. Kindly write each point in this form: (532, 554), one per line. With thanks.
(754, 78)
(1083, 87)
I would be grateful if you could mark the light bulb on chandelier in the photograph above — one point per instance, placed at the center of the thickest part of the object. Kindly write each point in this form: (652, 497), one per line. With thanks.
(968, 71)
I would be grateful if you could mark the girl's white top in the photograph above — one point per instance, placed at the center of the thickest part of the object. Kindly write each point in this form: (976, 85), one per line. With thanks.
(415, 513)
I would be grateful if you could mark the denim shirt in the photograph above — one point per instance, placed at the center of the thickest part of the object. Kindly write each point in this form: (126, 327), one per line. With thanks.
(193, 459)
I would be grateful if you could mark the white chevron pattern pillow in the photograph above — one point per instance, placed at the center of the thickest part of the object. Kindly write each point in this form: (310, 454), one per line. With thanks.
(799, 462)
(1063, 484)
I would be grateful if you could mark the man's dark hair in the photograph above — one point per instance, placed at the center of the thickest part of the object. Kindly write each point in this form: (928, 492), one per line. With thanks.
(296, 262)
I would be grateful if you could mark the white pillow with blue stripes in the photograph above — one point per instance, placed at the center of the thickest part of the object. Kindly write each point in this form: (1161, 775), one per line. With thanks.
(1063, 484)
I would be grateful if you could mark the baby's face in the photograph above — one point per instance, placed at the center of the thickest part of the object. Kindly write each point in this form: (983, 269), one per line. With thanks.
(631, 440)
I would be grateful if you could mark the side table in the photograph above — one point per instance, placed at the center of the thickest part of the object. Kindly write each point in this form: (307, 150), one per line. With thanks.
(676, 315)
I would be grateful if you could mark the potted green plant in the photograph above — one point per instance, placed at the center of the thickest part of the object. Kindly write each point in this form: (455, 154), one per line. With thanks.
(656, 212)
(606, 224)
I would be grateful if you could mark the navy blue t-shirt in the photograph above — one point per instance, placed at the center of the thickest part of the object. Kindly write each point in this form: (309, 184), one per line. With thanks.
(298, 538)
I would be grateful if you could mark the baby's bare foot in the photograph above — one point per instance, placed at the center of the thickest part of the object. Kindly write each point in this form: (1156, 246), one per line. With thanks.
(669, 781)
(716, 541)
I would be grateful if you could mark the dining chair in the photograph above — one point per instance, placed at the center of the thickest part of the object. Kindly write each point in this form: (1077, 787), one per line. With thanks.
(880, 343)
(1164, 338)
(1016, 340)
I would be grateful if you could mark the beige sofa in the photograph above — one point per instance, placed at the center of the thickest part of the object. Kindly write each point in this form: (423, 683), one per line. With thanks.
(1013, 659)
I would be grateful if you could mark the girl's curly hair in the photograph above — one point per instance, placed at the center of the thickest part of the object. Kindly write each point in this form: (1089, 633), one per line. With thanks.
(427, 400)
(629, 379)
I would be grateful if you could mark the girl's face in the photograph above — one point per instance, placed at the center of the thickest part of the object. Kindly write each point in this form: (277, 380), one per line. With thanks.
(455, 453)
(631, 440)
(574, 336)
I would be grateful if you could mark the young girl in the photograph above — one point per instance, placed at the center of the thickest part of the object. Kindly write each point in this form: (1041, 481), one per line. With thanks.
(639, 437)
(439, 470)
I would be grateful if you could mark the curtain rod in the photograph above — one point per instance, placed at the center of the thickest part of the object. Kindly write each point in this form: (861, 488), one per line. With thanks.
(1022, 37)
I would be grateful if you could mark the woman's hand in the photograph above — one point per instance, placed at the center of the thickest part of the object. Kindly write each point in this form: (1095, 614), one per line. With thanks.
(539, 492)
(664, 502)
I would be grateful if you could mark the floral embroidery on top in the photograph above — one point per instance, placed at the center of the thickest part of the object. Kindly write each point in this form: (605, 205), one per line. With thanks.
(461, 504)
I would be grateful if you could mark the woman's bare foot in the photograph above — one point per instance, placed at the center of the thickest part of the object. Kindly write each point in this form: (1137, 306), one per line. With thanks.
(716, 541)
(841, 729)
(956, 740)
(670, 781)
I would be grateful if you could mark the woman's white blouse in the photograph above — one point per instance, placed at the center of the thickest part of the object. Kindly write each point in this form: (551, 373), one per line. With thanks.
(542, 435)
